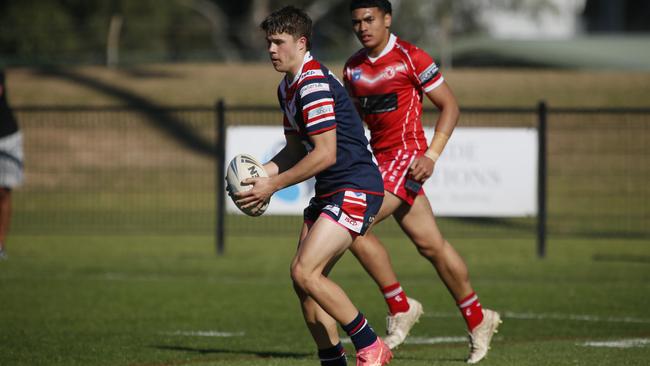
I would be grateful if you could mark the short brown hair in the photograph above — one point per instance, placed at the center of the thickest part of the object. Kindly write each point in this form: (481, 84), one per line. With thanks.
(290, 20)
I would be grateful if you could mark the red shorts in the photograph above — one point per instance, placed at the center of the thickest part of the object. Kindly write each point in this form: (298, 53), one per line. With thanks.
(393, 166)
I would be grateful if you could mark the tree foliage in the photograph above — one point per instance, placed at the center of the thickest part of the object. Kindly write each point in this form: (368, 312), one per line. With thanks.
(75, 31)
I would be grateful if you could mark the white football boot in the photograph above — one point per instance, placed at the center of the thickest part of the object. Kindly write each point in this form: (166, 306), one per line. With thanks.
(481, 336)
(399, 325)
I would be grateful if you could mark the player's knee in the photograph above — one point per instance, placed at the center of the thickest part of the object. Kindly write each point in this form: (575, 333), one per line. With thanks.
(302, 295)
(430, 249)
(302, 277)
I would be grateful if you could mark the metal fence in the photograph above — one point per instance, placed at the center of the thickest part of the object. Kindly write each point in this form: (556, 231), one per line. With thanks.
(157, 171)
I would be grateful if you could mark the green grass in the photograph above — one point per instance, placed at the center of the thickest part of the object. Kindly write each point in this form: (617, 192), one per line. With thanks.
(133, 300)
(113, 297)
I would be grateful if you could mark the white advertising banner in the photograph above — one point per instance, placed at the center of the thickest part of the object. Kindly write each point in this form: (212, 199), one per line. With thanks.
(483, 172)
(486, 172)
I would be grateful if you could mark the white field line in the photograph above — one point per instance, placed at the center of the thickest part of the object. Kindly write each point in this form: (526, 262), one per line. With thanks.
(205, 333)
(621, 343)
(424, 340)
(551, 316)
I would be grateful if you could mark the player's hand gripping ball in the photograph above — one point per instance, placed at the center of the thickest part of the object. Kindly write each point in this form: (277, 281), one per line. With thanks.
(241, 167)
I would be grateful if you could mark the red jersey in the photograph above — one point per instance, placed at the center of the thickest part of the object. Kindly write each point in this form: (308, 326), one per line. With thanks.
(389, 90)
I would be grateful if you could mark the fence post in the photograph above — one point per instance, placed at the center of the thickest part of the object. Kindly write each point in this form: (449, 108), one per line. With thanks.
(541, 179)
(220, 166)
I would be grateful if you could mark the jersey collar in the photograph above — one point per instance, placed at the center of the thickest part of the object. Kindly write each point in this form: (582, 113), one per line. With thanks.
(389, 46)
(305, 59)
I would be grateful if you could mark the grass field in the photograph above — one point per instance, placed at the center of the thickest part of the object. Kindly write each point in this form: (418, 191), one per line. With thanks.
(111, 295)
(167, 300)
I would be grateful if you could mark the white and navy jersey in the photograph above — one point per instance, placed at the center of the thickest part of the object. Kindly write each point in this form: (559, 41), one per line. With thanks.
(315, 102)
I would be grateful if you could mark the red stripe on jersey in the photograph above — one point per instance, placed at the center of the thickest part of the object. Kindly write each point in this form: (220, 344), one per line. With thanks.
(318, 103)
(310, 78)
(319, 119)
(318, 111)
(321, 130)
(432, 83)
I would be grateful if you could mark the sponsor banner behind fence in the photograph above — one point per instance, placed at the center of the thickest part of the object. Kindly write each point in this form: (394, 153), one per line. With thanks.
(483, 172)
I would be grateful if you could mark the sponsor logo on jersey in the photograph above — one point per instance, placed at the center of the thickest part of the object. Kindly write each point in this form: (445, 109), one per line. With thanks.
(309, 73)
(350, 223)
(324, 109)
(378, 103)
(428, 74)
(313, 88)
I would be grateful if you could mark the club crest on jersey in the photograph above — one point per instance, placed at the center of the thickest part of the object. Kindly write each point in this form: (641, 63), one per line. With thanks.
(356, 74)
(389, 72)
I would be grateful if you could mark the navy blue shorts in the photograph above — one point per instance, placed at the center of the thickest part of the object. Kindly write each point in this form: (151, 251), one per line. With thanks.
(353, 210)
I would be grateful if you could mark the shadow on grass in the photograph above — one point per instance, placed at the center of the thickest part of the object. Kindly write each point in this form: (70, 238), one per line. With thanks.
(156, 114)
(290, 355)
(261, 354)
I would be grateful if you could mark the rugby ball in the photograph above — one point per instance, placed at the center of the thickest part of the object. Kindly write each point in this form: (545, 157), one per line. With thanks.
(241, 167)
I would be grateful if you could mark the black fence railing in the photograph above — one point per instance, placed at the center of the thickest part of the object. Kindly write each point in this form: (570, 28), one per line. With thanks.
(156, 171)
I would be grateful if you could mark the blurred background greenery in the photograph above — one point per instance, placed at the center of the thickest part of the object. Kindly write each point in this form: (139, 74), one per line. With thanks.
(577, 33)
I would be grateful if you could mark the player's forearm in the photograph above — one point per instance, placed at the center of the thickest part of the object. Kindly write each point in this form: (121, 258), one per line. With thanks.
(310, 165)
(283, 160)
(444, 128)
(271, 168)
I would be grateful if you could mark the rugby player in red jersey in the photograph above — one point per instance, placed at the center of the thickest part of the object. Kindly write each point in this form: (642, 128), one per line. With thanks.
(387, 79)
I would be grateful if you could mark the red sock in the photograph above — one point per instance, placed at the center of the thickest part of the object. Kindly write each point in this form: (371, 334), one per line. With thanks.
(395, 299)
(472, 311)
